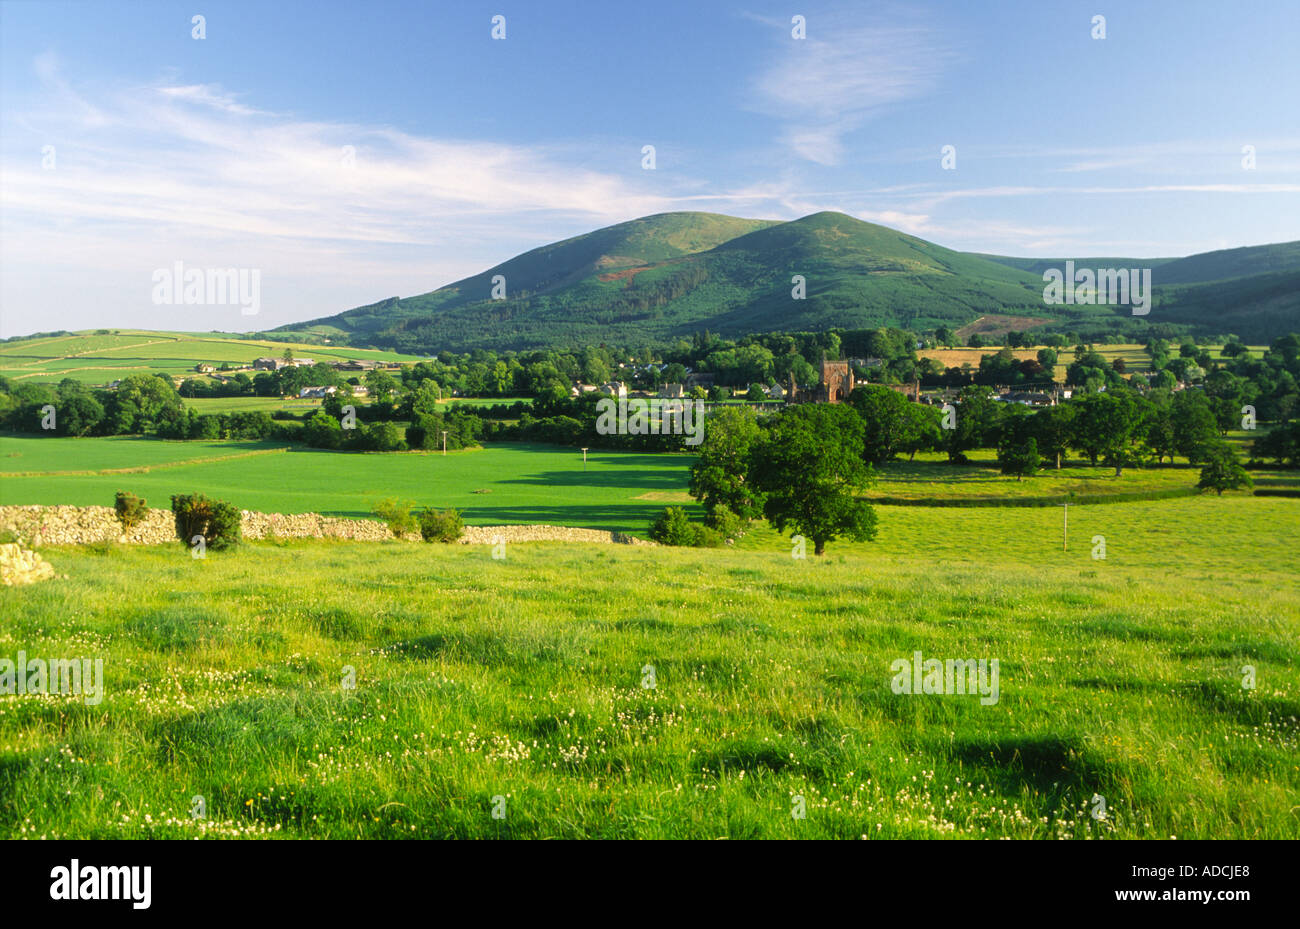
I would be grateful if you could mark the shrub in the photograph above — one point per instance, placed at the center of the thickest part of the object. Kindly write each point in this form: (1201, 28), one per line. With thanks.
(441, 525)
(322, 431)
(375, 437)
(705, 537)
(672, 527)
(216, 521)
(726, 523)
(131, 510)
(8, 537)
(397, 514)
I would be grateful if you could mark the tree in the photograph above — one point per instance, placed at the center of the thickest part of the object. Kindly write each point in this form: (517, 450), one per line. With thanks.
(885, 421)
(1159, 436)
(1223, 470)
(1104, 427)
(921, 432)
(719, 476)
(809, 466)
(322, 431)
(377, 437)
(1282, 444)
(141, 401)
(382, 385)
(1019, 458)
(1052, 429)
(1193, 424)
(976, 421)
(78, 414)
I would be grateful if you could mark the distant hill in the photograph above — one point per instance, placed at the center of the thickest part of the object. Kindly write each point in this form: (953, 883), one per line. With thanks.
(1227, 264)
(673, 274)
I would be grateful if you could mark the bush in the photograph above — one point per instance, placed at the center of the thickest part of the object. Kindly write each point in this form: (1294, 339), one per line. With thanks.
(441, 525)
(375, 437)
(672, 527)
(704, 537)
(726, 523)
(216, 521)
(131, 510)
(397, 514)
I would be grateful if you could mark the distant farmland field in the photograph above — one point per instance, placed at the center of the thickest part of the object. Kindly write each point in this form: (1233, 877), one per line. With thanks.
(1135, 356)
(100, 359)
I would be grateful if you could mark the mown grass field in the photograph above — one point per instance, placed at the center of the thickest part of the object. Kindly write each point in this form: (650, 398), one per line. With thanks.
(252, 405)
(100, 359)
(494, 485)
(931, 476)
(497, 484)
(522, 678)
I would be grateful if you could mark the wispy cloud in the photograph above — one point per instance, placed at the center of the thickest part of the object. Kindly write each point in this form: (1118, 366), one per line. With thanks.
(846, 70)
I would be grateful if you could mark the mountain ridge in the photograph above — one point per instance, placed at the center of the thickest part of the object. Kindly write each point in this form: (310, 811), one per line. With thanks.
(669, 275)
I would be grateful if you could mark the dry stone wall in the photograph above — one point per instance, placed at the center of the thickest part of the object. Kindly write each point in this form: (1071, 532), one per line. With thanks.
(36, 526)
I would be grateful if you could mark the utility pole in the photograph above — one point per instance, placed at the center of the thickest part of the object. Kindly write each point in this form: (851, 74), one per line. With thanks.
(444, 441)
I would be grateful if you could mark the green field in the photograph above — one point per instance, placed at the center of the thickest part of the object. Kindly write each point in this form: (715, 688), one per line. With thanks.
(100, 359)
(525, 483)
(522, 679)
(931, 476)
(252, 405)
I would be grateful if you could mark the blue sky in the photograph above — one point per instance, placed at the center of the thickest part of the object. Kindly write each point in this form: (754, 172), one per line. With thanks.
(356, 151)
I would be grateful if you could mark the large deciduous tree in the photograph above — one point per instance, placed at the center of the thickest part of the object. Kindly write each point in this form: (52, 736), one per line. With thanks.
(810, 466)
(719, 476)
(1222, 470)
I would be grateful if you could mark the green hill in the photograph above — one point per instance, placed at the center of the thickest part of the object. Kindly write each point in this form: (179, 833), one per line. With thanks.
(672, 274)
(1207, 267)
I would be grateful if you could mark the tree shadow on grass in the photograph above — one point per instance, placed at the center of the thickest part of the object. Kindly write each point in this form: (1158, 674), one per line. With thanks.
(647, 479)
(1047, 764)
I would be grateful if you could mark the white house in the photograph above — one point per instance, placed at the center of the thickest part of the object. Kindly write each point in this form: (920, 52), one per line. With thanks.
(316, 393)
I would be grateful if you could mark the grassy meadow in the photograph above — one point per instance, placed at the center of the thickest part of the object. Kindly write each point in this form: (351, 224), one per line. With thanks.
(523, 678)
